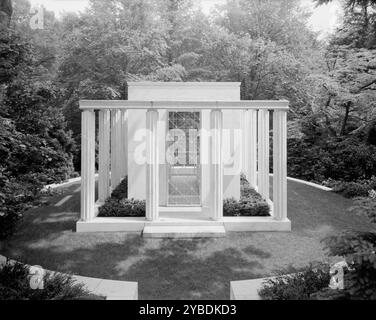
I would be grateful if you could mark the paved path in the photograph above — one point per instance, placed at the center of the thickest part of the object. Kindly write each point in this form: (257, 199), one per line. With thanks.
(180, 269)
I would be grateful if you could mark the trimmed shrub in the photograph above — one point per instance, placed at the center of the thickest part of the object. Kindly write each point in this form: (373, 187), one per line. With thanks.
(251, 203)
(121, 191)
(360, 188)
(15, 285)
(119, 206)
(299, 286)
(123, 208)
(245, 207)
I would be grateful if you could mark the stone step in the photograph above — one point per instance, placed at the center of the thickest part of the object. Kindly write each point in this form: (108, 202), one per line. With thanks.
(153, 231)
(170, 222)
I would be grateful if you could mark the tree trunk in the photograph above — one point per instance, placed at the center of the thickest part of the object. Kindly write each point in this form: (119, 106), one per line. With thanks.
(347, 106)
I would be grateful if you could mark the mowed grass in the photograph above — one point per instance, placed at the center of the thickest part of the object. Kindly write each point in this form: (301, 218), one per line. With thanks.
(181, 269)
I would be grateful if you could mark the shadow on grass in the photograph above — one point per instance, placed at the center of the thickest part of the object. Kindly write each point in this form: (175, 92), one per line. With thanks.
(175, 269)
(164, 269)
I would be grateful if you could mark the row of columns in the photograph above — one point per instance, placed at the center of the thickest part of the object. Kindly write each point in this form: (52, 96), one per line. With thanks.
(256, 159)
(113, 154)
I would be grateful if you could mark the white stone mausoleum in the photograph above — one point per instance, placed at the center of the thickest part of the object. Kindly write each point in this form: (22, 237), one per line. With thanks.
(183, 146)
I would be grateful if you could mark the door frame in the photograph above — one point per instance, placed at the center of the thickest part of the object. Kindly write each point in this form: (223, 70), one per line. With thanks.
(199, 164)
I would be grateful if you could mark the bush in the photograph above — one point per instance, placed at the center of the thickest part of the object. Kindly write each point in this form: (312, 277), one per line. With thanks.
(351, 189)
(15, 285)
(358, 250)
(251, 203)
(346, 159)
(123, 208)
(365, 206)
(245, 207)
(298, 286)
(121, 191)
(360, 188)
(119, 206)
(15, 198)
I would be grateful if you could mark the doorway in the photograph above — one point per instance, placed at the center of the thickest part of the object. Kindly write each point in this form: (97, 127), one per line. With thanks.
(183, 159)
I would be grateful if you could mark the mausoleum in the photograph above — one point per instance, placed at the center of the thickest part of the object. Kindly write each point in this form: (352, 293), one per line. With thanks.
(183, 147)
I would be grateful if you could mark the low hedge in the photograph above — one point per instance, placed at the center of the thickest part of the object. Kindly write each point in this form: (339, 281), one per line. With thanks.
(15, 285)
(360, 188)
(250, 204)
(123, 208)
(245, 207)
(119, 206)
(121, 191)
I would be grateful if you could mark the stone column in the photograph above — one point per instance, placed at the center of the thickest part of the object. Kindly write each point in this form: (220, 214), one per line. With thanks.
(116, 150)
(280, 164)
(216, 123)
(245, 130)
(124, 142)
(251, 140)
(104, 155)
(263, 153)
(152, 165)
(88, 165)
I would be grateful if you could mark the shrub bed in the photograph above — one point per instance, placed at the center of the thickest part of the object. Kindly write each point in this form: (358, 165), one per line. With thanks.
(15, 285)
(250, 204)
(123, 208)
(119, 206)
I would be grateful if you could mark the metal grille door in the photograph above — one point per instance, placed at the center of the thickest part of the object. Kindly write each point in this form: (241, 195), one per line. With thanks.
(183, 159)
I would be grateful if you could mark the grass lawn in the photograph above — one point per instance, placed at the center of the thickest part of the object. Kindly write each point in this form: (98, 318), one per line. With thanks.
(180, 269)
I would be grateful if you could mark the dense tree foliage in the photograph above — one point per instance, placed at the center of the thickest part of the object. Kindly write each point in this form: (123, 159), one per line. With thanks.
(35, 145)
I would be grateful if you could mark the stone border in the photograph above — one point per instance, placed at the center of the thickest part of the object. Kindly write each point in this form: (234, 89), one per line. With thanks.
(311, 184)
(110, 289)
(137, 224)
(74, 180)
(246, 289)
(63, 184)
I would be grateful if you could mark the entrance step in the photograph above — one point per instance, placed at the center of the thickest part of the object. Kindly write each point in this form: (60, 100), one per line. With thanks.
(158, 231)
(180, 211)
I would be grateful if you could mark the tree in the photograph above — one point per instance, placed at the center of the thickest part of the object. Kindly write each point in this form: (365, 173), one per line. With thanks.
(281, 22)
(6, 11)
(347, 90)
(358, 29)
(35, 145)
